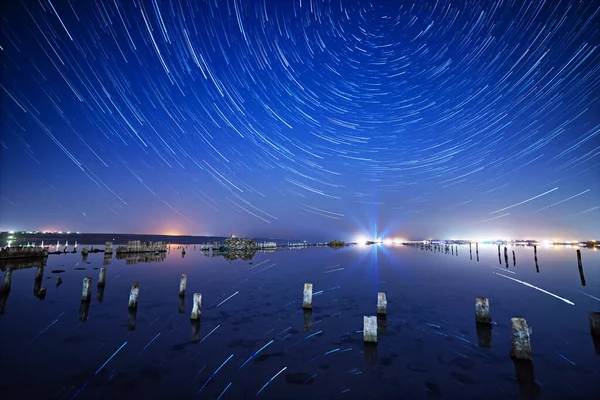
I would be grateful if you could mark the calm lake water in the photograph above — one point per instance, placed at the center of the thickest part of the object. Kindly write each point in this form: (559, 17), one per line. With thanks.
(255, 341)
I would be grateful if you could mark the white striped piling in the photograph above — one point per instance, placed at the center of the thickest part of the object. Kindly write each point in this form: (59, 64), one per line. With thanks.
(134, 295)
(102, 277)
(86, 289)
(182, 284)
(381, 303)
(197, 306)
(521, 344)
(482, 310)
(307, 297)
(370, 329)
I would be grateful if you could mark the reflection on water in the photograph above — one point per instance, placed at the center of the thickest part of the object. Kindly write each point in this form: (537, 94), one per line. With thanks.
(136, 258)
(23, 263)
(528, 387)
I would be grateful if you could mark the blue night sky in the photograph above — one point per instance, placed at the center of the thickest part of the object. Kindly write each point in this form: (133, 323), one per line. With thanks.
(302, 119)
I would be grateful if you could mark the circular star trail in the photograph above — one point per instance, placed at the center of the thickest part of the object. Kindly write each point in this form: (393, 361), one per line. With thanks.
(289, 118)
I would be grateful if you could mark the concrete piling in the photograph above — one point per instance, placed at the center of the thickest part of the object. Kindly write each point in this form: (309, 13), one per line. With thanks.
(86, 289)
(521, 344)
(370, 329)
(307, 298)
(134, 295)
(197, 306)
(182, 284)
(595, 324)
(482, 310)
(381, 303)
(102, 277)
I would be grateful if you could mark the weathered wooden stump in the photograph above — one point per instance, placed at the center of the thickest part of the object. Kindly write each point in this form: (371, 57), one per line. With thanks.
(521, 344)
(514, 259)
(182, 284)
(381, 303)
(134, 295)
(506, 256)
(102, 277)
(307, 298)
(86, 289)
(84, 251)
(370, 329)
(579, 264)
(595, 324)
(197, 306)
(482, 310)
(108, 247)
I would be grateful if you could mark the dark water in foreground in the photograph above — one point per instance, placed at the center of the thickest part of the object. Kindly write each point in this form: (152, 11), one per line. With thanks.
(428, 346)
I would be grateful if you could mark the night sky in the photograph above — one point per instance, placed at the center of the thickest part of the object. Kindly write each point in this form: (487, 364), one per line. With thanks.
(302, 119)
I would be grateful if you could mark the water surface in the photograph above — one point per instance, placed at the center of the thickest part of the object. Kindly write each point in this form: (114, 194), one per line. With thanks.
(255, 341)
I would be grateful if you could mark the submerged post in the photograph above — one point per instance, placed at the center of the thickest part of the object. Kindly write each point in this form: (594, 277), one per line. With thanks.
(482, 310)
(595, 324)
(102, 277)
(370, 329)
(182, 284)
(308, 292)
(86, 289)
(381, 304)
(521, 344)
(134, 295)
(579, 264)
(197, 306)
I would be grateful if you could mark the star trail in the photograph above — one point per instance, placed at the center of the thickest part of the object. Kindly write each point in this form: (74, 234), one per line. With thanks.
(301, 118)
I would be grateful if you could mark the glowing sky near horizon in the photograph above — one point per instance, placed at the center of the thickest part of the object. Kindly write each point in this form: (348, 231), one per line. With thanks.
(301, 119)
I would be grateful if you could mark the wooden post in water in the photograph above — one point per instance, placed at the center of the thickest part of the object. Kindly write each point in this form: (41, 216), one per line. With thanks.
(521, 344)
(307, 298)
(134, 295)
(482, 310)
(197, 306)
(506, 256)
(579, 264)
(595, 324)
(102, 277)
(182, 284)
(370, 329)
(86, 289)
(537, 267)
(499, 258)
(514, 259)
(381, 304)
